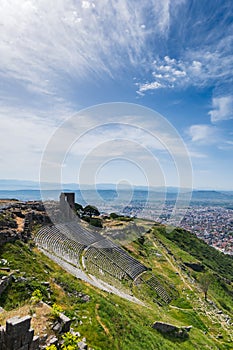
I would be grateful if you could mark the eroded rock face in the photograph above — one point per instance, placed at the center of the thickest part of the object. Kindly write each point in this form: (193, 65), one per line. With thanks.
(18, 218)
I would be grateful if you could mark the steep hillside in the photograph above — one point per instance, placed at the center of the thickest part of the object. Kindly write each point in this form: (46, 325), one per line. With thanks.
(110, 322)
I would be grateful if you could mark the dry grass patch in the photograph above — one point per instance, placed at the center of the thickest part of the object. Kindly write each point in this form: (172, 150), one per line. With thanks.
(40, 318)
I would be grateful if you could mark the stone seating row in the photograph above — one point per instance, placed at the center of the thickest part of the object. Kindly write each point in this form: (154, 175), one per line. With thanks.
(51, 239)
(120, 257)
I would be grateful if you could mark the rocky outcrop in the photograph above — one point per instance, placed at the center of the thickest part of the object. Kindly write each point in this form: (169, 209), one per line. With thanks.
(171, 330)
(18, 218)
(4, 282)
(195, 266)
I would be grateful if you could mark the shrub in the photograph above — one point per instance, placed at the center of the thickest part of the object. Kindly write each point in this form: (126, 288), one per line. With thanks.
(56, 310)
(70, 341)
(96, 222)
(51, 347)
(36, 296)
(114, 216)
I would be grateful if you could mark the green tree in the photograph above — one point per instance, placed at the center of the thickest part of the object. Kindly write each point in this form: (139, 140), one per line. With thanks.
(205, 281)
(91, 210)
(114, 216)
(78, 209)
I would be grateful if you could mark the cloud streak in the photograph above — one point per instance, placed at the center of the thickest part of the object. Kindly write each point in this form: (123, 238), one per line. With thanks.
(61, 39)
(204, 134)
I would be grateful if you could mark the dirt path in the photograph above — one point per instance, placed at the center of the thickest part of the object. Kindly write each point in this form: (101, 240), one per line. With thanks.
(175, 268)
(105, 328)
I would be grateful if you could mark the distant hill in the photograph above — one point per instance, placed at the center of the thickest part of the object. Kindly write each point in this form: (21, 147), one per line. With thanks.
(29, 190)
(211, 195)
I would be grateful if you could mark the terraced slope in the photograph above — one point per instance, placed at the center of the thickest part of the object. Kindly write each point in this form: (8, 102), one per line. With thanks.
(96, 255)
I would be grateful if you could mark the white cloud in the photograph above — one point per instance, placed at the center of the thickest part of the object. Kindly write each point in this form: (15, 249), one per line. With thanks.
(43, 41)
(203, 133)
(24, 134)
(149, 86)
(166, 72)
(194, 154)
(208, 65)
(222, 109)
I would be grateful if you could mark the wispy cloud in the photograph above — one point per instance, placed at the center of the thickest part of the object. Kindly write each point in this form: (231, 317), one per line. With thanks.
(195, 68)
(204, 134)
(222, 109)
(24, 134)
(62, 39)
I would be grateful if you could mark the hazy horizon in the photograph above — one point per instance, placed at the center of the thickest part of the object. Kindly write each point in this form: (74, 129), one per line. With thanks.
(109, 185)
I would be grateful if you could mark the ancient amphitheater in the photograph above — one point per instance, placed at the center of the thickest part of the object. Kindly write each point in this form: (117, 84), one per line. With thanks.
(96, 259)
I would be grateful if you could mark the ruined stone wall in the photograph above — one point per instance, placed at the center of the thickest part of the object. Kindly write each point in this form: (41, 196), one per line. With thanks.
(18, 335)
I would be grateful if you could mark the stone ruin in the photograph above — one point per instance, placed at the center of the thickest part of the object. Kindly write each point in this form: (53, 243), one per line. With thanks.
(67, 204)
(171, 330)
(28, 213)
(18, 335)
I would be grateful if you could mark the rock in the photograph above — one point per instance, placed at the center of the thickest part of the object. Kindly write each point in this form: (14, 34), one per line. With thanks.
(219, 336)
(44, 283)
(43, 338)
(177, 332)
(82, 345)
(52, 341)
(35, 343)
(17, 325)
(85, 298)
(65, 323)
(56, 327)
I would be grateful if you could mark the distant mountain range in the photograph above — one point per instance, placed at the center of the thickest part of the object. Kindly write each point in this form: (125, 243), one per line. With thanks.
(171, 192)
(33, 185)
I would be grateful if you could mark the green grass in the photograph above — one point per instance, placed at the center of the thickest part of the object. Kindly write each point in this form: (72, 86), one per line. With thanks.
(107, 321)
(220, 263)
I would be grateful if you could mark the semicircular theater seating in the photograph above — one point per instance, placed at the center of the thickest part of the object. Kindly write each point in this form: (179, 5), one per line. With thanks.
(73, 243)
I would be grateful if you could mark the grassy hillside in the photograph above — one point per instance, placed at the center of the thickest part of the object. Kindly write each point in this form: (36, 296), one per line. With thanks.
(109, 322)
(221, 263)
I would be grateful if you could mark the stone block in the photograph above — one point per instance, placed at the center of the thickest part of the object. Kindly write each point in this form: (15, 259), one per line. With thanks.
(164, 327)
(24, 347)
(174, 331)
(82, 345)
(65, 322)
(12, 343)
(16, 326)
(53, 341)
(35, 343)
(2, 332)
(27, 337)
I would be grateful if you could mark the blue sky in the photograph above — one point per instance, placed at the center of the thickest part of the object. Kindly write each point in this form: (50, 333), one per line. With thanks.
(173, 56)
